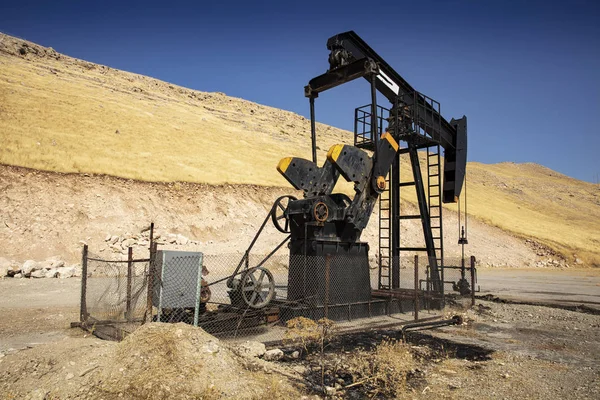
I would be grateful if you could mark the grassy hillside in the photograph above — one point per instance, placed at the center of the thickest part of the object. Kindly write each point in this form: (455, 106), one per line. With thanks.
(62, 114)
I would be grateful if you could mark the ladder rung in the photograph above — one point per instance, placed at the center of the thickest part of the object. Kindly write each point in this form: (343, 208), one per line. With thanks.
(434, 165)
(405, 184)
(409, 217)
(433, 154)
(413, 248)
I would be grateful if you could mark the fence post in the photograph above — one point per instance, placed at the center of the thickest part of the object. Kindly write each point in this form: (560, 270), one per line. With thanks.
(327, 267)
(84, 269)
(416, 288)
(472, 280)
(150, 283)
(151, 236)
(129, 278)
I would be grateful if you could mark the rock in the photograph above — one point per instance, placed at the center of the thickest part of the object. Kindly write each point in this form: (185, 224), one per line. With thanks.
(127, 243)
(14, 269)
(5, 265)
(182, 240)
(295, 355)
(578, 261)
(251, 349)
(38, 273)
(211, 347)
(52, 273)
(114, 239)
(38, 394)
(18, 276)
(329, 391)
(28, 267)
(45, 264)
(273, 355)
(107, 238)
(448, 371)
(66, 272)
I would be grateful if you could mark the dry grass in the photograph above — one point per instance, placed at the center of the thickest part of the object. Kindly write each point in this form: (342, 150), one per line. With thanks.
(63, 115)
(385, 369)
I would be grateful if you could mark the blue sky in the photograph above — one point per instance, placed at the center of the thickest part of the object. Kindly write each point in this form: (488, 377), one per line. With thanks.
(526, 73)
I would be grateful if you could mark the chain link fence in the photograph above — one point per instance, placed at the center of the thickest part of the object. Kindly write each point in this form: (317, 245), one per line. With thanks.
(113, 295)
(256, 297)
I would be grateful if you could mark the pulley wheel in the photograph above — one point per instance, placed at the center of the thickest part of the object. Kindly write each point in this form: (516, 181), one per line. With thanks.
(321, 212)
(280, 218)
(257, 287)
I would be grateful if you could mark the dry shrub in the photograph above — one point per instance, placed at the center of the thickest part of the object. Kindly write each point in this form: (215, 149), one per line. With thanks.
(307, 332)
(385, 369)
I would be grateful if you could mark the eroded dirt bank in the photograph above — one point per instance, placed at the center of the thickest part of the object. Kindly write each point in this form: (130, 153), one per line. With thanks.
(51, 214)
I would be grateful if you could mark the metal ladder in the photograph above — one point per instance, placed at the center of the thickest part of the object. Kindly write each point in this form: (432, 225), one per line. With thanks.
(434, 200)
(385, 254)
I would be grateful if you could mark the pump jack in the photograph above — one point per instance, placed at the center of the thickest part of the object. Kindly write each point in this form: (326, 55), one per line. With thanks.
(324, 224)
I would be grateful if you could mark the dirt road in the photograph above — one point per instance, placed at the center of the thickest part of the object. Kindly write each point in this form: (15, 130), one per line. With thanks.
(566, 287)
(40, 310)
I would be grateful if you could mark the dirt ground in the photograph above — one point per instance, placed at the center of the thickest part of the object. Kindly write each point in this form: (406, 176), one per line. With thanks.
(502, 350)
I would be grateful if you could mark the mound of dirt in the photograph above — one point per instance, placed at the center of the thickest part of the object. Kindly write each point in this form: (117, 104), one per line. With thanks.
(158, 361)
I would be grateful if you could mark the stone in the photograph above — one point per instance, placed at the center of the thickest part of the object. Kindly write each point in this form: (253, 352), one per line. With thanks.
(38, 394)
(28, 267)
(114, 239)
(578, 261)
(127, 243)
(182, 240)
(448, 371)
(107, 238)
(14, 269)
(45, 264)
(4, 262)
(52, 273)
(329, 391)
(295, 355)
(38, 273)
(251, 349)
(5, 266)
(18, 276)
(273, 355)
(211, 347)
(66, 272)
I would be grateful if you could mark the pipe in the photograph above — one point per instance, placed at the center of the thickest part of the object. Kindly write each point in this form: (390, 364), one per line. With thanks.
(455, 320)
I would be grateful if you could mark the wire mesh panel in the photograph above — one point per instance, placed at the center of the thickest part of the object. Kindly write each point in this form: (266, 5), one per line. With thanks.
(115, 293)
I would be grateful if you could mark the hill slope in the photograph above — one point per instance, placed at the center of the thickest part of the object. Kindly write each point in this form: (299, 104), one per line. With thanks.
(61, 114)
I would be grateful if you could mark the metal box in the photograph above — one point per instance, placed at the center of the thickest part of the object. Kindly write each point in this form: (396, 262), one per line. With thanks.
(177, 280)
